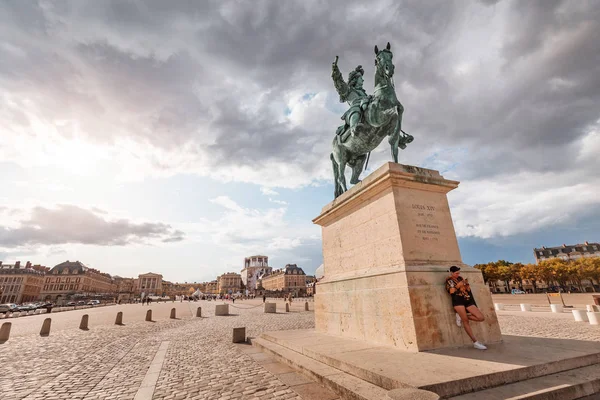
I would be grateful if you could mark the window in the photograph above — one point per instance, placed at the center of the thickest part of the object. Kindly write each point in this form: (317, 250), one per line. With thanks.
(60, 287)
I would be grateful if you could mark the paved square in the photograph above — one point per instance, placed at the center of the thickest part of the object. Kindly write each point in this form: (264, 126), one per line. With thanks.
(185, 358)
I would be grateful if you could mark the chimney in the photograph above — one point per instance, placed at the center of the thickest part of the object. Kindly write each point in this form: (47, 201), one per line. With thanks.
(544, 247)
(17, 264)
(28, 265)
(564, 245)
(586, 243)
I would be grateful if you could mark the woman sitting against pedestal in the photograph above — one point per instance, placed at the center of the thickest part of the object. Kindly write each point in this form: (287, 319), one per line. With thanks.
(463, 302)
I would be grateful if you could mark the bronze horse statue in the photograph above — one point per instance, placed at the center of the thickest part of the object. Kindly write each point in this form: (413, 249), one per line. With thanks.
(381, 116)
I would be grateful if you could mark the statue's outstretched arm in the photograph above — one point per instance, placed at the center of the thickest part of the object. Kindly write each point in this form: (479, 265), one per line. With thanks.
(338, 81)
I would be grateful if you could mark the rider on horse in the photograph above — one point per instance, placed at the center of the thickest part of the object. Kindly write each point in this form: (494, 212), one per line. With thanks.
(354, 94)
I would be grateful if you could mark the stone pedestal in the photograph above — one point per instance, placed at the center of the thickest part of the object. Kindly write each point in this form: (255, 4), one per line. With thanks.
(387, 245)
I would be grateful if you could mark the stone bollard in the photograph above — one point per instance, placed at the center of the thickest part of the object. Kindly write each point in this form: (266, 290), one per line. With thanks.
(119, 319)
(239, 335)
(411, 394)
(173, 313)
(306, 306)
(270, 308)
(199, 312)
(594, 318)
(83, 325)
(556, 308)
(525, 307)
(579, 315)
(498, 306)
(149, 315)
(45, 331)
(5, 331)
(287, 307)
(222, 310)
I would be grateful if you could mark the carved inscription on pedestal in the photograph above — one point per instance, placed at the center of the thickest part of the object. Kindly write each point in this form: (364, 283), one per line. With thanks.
(426, 227)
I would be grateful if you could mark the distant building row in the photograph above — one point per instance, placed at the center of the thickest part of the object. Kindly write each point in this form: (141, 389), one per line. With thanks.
(71, 280)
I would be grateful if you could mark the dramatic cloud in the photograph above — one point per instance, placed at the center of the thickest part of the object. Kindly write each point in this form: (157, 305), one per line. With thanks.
(68, 224)
(494, 91)
(248, 228)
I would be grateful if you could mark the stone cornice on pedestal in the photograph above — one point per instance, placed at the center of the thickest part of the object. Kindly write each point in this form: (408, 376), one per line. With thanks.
(388, 175)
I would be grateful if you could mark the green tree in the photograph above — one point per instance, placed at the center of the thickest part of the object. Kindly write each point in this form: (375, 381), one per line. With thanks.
(516, 274)
(531, 273)
(559, 270)
(590, 269)
(544, 272)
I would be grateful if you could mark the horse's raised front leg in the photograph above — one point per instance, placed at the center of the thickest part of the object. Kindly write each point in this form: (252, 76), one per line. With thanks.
(357, 169)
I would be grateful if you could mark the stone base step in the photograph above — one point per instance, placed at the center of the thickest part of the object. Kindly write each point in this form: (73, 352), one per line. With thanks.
(573, 384)
(347, 386)
(447, 372)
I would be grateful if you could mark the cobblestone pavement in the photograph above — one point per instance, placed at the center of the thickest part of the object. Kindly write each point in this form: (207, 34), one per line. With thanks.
(112, 362)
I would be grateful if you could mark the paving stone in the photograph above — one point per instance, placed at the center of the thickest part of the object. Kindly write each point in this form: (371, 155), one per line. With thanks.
(110, 362)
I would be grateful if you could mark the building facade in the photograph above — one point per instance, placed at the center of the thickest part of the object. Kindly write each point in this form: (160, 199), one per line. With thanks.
(73, 279)
(212, 287)
(124, 288)
(290, 279)
(567, 252)
(21, 284)
(150, 284)
(254, 267)
(229, 283)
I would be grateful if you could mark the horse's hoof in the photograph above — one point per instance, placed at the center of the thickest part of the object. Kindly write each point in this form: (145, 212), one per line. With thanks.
(355, 182)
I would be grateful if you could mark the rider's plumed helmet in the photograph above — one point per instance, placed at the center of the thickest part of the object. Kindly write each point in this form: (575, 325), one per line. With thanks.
(353, 75)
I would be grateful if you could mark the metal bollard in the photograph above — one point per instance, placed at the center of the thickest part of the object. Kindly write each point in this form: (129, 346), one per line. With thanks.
(173, 314)
(199, 312)
(119, 319)
(149, 315)
(306, 306)
(5, 331)
(83, 325)
(287, 307)
(45, 331)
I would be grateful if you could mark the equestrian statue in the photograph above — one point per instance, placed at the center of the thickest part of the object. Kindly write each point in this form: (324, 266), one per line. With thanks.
(369, 119)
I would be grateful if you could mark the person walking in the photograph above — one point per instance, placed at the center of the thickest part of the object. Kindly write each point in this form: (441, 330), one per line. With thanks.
(463, 303)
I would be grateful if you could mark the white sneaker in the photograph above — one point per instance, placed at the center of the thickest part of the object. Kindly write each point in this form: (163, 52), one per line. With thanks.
(458, 320)
(479, 346)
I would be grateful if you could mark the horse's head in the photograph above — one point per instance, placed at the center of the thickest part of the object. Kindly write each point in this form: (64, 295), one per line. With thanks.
(383, 62)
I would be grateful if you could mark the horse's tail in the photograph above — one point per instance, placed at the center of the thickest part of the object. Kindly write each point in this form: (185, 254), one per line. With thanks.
(335, 166)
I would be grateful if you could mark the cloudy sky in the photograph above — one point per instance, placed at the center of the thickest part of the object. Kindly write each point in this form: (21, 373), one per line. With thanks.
(178, 137)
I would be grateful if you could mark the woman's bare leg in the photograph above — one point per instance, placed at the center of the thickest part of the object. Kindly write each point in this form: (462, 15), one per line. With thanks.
(476, 314)
(462, 312)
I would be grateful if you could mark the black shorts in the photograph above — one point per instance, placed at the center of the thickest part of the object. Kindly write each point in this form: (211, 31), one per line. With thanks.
(461, 301)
